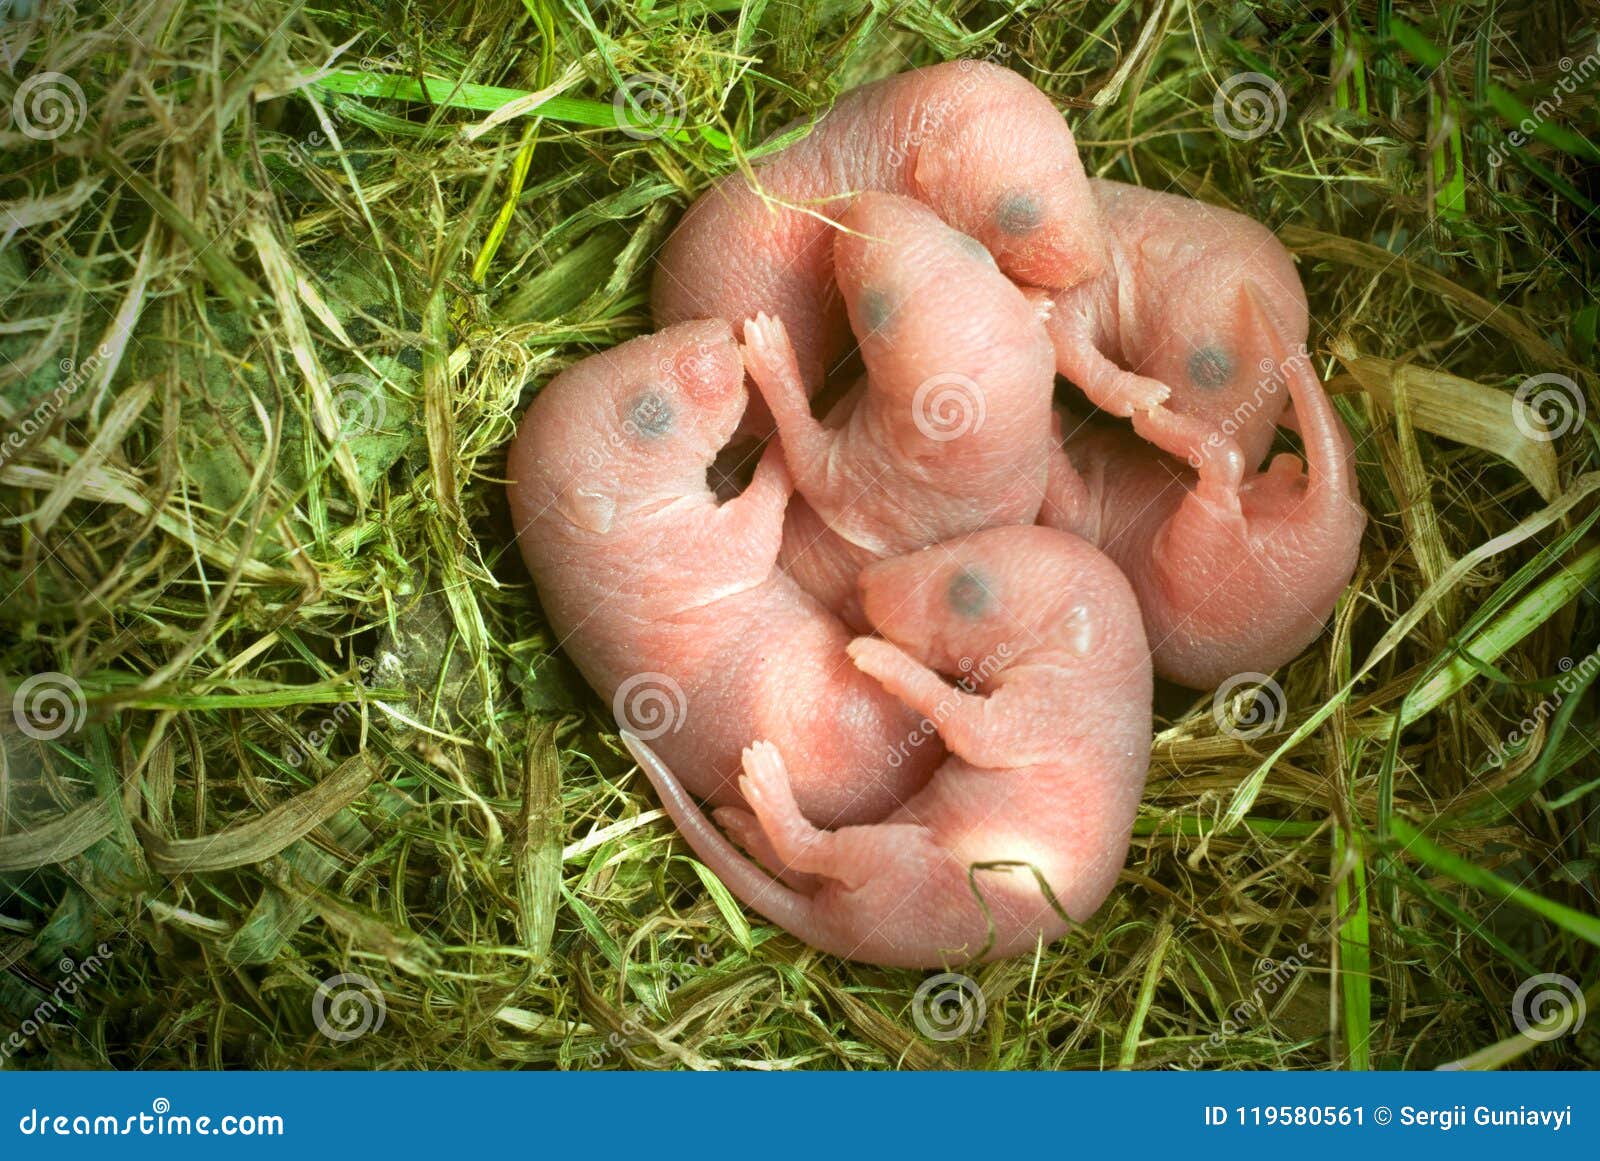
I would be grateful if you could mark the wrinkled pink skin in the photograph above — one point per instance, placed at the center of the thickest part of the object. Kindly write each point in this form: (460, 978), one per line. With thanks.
(640, 571)
(1230, 579)
(1160, 335)
(1049, 751)
(977, 143)
(952, 431)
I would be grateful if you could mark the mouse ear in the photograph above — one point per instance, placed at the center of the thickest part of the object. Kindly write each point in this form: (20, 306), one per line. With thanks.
(587, 507)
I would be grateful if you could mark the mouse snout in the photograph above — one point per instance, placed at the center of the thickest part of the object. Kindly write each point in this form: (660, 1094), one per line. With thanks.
(1047, 232)
(700, 360)
(697, 367)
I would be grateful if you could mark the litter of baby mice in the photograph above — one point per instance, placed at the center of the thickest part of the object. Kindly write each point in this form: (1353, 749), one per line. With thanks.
(910, 666)
(975, 142)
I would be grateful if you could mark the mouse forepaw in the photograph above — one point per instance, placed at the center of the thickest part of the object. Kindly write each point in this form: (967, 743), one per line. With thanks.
(906, 678)
(1216, 457)
(769, 356)
(1127, 394)
(883, 661)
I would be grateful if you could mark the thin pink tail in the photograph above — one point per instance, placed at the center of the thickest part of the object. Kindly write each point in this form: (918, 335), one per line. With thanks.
(789, 909)
(1330, 474)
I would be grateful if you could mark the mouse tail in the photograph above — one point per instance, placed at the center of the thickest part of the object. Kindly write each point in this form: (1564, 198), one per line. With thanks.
(788, 908)
(1329, 451)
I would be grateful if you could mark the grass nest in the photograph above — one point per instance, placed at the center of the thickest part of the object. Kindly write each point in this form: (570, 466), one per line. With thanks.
(294, 774)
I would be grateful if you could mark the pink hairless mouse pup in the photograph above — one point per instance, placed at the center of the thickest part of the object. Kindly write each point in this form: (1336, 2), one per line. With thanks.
(1230, 579)
(1165, 335)
(952, 431)
(1049, 751)
(657, 591)
(977, 143)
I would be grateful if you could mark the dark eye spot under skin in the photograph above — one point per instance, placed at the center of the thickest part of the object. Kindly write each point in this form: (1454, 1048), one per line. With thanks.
(1210, 368)
(876, 308)
(649, 414)
(968, 595)
(1019, 213)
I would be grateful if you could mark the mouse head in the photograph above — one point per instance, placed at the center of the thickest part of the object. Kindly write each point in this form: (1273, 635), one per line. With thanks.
(629, 426)
(1001, 165)
(1228, 331)
(949, 342)
(969, 606)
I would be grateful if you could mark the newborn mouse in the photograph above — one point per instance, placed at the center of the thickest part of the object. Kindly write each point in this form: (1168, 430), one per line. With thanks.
(975, 142)
(951, 433)
(646, 578)
(1230, 579)
(1026, 825)
(1162, 335)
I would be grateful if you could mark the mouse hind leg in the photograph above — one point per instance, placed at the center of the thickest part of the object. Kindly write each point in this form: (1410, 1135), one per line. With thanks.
(852, 855)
